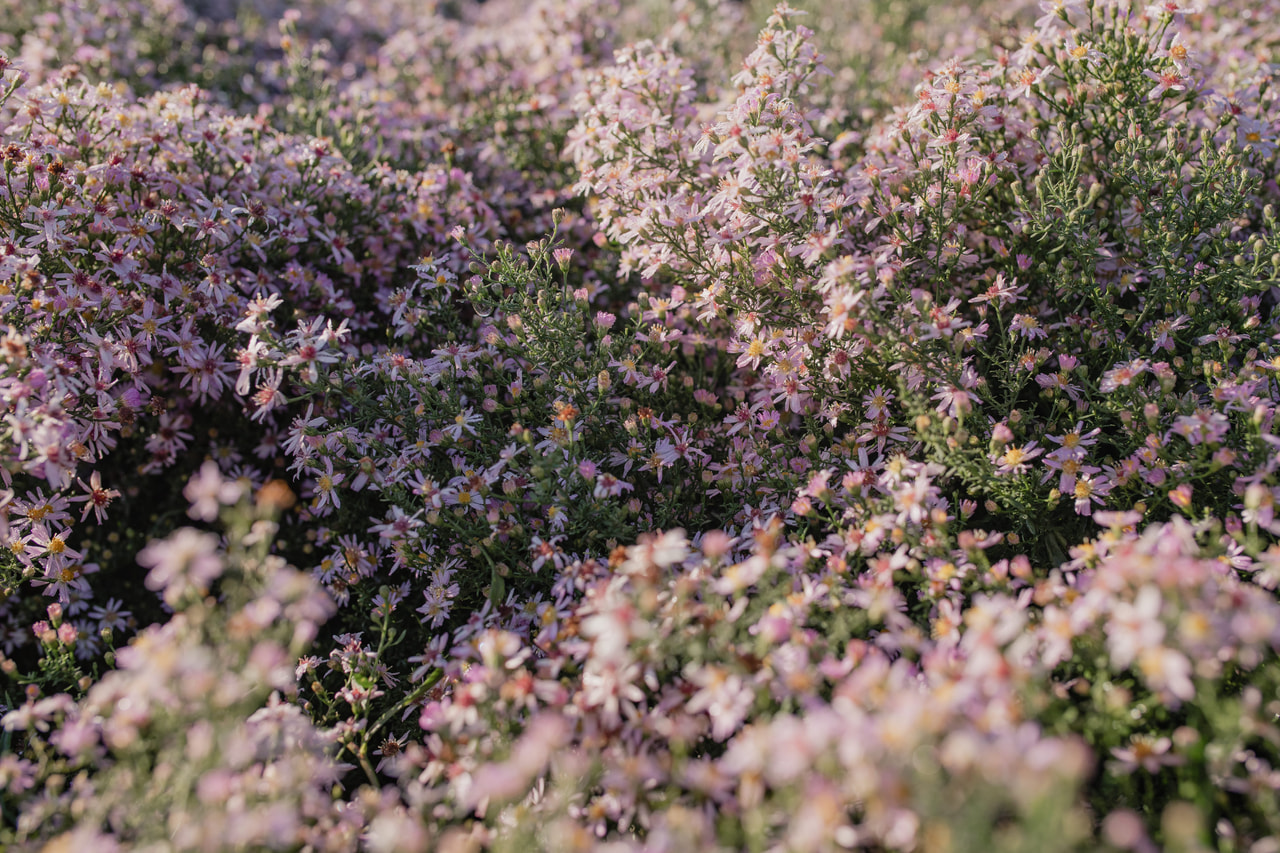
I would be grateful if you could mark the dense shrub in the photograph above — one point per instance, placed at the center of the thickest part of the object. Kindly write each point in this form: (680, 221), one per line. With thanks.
(542, 427)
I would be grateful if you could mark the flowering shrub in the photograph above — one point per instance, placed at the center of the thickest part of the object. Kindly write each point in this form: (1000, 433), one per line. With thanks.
(556, 426)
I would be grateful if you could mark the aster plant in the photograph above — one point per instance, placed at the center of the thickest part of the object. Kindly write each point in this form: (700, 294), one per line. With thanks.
(582, 425)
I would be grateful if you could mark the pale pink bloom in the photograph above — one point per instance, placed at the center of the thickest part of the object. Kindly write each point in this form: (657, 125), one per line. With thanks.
(877, 403)
(739, 576)
(1027, 326)
(268, 396)
(662, 550)
(97, 500)
(612, 690)
(545, 551)
(1205, 426)
(1135, 627)
(208, 491)
(326, 492)
(609, 486)
(1168, 672)
(723, 696)
(1173, 7)
(187, 561)
(463, 422)
(1057, 634)
(1146, 752)
(1014, 459)
(1166, 81)
(1090, 490)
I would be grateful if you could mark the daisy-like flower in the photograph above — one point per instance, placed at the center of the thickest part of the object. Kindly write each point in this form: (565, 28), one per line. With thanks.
(257, 316)
(742, 416)
(111, 615)
(47, 220)
(56, 553)
(1068, 469)
(1117, 519)
(1001, 292)
(268, 396)
(1168, 672)
(208, 490)
(462, 496)
(1124, 374)
(1081, 52)
(609, 486)
(326, 493)
(1149, 753)
(1057, 12)
(1060, 381)
(1073, 442)
(437, 606)
(882, 432)
(753, 351)
(1089, 491)
(1204, 427)
(464, 421)
(877, 403)
(428, 489)
(1027, 327)
(1222, 335)
(1171, 8)
(1014, 459)
(657, 377)
(953, 401)
(1178, 54)
(1026, 80)
(627, 367)
(97, 498)
(390, 750)
(1166, 81)
(187, 561)
(1162, 331)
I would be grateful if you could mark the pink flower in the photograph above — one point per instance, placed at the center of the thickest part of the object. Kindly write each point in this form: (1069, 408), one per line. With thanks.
(1204, 427)
(1171, 8)
(97, 500)
(1168, 672)
(1166, 81)
(208, 491)
(1135, 627)
(187, 561)
(545, 551)
(326, 492)
(1026, 80)
(609, 486)
(1014, 460)
(1149, 753)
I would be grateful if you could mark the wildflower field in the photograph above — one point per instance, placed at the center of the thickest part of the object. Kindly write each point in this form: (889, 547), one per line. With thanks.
(639, 426)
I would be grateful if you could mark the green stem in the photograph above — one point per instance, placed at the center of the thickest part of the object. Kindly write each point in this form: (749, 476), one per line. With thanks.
(362, 755)
(432, 679)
